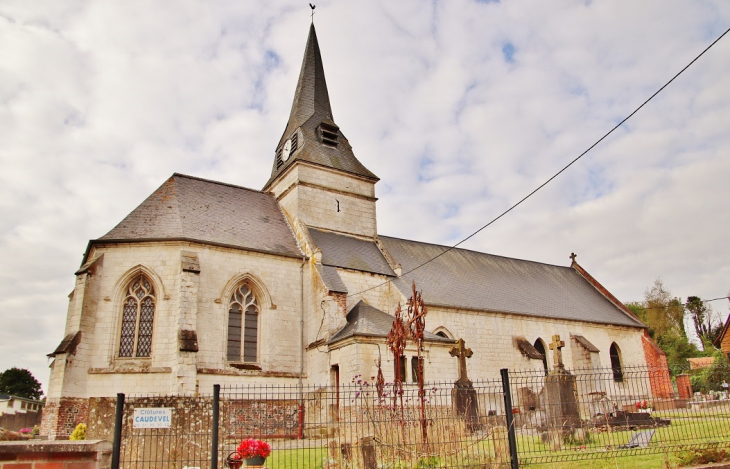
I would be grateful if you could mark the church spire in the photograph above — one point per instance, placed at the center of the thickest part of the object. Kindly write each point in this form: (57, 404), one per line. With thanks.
(311, 97)
(311, 134)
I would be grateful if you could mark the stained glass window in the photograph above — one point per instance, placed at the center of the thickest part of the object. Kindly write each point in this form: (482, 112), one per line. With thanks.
(243, 326)
(138, 314)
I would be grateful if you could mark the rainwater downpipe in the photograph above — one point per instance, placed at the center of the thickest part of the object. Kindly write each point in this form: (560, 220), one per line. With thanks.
(301, 351)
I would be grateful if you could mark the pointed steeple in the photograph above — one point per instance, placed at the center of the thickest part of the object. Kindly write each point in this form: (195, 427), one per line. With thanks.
(311, 134)
(311, 97)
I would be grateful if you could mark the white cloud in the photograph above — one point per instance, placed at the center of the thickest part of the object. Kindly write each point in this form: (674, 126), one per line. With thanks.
(100, 102)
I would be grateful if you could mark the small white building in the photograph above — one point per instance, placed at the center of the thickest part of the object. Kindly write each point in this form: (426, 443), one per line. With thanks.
(18, 405)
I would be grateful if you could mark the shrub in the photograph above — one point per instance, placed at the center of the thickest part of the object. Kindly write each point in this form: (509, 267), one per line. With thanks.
(79, 432)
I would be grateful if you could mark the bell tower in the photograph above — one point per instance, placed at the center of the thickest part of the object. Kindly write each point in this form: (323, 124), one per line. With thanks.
(316, 177)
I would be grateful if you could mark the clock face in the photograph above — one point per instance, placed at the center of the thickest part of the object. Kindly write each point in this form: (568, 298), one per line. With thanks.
(286, 151)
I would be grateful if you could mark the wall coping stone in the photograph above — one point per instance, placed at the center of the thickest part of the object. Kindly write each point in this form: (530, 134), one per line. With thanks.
(55, 446)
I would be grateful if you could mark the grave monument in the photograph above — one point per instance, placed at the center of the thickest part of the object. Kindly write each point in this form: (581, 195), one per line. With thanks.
(464, 395)
(561, 403)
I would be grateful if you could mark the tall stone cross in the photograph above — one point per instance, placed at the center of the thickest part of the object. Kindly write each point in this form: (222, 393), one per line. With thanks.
(555, 346)
(462, 353)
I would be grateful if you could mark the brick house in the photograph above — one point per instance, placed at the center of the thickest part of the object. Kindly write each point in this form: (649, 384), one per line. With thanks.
(207, 282)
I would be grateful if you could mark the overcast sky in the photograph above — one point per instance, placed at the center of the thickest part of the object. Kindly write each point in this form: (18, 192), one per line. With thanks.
(461, 107)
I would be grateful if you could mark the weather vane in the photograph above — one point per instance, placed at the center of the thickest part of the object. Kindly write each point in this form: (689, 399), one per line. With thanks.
(312, 7)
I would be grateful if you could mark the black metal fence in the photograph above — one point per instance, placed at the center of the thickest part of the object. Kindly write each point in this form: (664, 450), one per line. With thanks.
(596, 414)
(359, 425)
(522, 417)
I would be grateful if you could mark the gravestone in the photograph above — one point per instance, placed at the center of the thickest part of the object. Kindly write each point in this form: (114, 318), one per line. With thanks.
(464, 395)
(563, 415)
(639, 440)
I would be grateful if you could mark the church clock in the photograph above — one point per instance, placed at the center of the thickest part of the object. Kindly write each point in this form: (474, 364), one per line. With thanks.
(286, 151)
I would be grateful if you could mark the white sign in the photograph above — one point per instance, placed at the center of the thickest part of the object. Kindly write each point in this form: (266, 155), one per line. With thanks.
(152, 417)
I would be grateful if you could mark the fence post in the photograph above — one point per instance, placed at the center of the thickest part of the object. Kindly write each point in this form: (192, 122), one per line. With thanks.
(117, 445)
(514, 464)
(214, 437)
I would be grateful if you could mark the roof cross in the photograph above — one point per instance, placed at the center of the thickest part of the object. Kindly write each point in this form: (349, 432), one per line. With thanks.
(312, 7)
(573, 256)
(462, 353)
(555, 346)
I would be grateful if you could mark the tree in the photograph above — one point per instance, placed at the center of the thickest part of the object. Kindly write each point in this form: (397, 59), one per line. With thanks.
(664, 314)
(678, 349)
(660, 311)
(21, 383)
(707, 323)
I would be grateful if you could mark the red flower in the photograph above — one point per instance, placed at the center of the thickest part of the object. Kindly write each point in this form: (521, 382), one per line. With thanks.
(251, 448)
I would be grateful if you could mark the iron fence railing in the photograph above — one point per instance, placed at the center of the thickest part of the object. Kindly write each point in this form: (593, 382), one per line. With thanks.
(359, 425)
(591, 414)
(522, 417)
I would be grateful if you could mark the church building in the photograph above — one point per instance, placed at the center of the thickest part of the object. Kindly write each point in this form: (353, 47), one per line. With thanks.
(207, 282)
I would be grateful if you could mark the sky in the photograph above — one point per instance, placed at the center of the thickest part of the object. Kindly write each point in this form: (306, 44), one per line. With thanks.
(461, 107)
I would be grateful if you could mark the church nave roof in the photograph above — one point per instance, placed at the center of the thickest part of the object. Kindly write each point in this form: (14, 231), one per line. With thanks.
(194, 209)
(474, 280)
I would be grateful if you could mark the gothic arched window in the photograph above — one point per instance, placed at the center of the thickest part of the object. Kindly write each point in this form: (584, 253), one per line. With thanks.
(138, 314)
(615, 354)
(243, 325)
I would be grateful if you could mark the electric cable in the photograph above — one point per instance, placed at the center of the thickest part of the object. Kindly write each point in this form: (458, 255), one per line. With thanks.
(450, 248)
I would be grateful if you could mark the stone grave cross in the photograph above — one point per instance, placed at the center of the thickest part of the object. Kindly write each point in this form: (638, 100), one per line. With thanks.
(462, 353)
(555, 346)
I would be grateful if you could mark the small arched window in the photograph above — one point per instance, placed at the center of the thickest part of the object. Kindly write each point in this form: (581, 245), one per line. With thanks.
(615, 354)
(243, 325)
(138, 315)
(443, 332)
(540, 347)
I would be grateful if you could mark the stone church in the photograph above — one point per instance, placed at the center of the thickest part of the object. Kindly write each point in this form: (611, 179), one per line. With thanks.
(207, 283)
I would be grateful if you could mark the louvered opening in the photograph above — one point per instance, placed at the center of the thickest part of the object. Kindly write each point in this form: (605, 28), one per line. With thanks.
(279, 161)
(328, 133)
(294, 142)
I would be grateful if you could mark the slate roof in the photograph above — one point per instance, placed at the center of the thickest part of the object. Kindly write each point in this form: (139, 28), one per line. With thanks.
(473, 280)
(311, 107)
(585, 343)
(350, 253)
(193, 209)
(364, 320)
(331, 278)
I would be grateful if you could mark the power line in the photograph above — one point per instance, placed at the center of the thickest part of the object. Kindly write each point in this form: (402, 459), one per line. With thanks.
(554, 175)
(677, 304)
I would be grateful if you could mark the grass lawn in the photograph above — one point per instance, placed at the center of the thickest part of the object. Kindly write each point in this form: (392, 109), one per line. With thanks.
(600, 451)
(686, 429)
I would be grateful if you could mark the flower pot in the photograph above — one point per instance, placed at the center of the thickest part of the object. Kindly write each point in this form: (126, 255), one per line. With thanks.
(255, 461)
(234, 461)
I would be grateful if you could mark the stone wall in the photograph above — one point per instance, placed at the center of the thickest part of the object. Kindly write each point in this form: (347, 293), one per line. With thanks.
(325, 198)
(260, 418)
(87, 454)
(188, 439)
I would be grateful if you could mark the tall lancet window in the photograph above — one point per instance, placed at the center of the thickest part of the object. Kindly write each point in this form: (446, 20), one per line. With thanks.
(243, 326)
(138, 315)
(615, 354)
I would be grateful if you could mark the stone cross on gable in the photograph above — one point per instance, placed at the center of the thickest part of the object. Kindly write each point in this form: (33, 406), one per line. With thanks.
(555, 346)
(462, 353)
